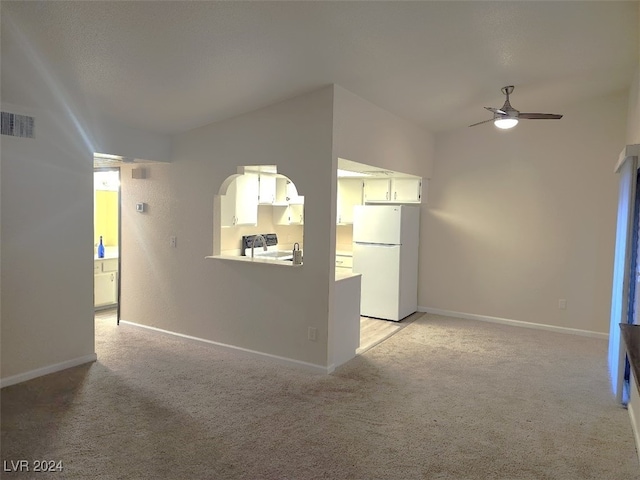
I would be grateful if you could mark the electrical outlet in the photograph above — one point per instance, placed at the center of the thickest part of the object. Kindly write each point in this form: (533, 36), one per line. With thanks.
(173, 242)
(562, 303)
(312, 334)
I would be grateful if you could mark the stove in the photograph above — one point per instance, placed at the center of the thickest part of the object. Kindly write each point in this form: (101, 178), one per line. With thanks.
(271, 240)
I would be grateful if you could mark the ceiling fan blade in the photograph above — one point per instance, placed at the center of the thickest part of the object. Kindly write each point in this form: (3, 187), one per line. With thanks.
(496, 110)
(540, 116)
(480, 123)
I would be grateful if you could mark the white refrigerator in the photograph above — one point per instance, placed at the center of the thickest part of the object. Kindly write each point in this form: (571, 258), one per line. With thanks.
(385, 252)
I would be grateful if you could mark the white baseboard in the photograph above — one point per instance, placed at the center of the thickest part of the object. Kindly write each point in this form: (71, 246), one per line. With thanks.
(39, 372)
(283, 360)
(515, 323)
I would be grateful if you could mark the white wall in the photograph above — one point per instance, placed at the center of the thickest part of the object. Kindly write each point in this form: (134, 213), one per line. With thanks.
(47, 213)
(633, 116)
(116, 138)
(368, 134)
(47, 246)
(47, 238)
(519, 219)
(257, 307)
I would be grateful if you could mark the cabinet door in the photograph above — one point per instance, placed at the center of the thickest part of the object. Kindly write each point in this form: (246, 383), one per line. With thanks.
(247, 199)
(240, 205)
(407, 190)
(228, 206)
(288, 214)
(281, 191)
(292, 194)
(286, 192)
(267, 189)
(296, 213)
(344, 261)
(105, 289)
(110, 265)
(349, 195)
(377, 190)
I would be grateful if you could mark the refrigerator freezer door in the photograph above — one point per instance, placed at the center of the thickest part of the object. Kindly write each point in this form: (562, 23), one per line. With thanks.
(380, 269)
(377, 224)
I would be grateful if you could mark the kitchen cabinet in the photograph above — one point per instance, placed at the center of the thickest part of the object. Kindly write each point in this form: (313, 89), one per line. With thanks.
(266, 189)
(377, 190)
(288, 208)
(406, 190)
(289, 214)
(240, 205)
(296, 213)
(286, 192)
(344, 262)
(394, 190)
(105, 282)
(349, 195)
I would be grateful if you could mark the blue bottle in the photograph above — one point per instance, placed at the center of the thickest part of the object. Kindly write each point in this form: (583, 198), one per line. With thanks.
(100, 248)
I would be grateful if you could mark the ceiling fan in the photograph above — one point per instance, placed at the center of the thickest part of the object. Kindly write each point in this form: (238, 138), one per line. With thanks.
(507, 117)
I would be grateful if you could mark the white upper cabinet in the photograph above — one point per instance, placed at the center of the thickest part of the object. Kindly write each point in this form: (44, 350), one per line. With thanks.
(288, 208)
(296, 212)
(286, 192)
(292, 195)
(394, 190)
(349, 195)
(289, 214)
(406, 190)
(240, 205)
(377, 190)
(267, 189)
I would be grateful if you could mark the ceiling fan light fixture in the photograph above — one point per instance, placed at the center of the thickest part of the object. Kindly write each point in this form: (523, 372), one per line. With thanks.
(505, 123)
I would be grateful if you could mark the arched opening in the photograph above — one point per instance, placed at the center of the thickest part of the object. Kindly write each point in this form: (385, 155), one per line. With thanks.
(258, 201)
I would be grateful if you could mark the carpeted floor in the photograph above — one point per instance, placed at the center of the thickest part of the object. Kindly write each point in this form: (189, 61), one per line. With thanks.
(441, 399)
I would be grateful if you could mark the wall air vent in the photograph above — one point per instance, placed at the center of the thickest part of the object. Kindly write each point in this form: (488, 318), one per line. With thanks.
(16, 125)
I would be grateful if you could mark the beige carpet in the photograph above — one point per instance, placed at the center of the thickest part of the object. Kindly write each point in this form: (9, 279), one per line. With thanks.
(441, 399)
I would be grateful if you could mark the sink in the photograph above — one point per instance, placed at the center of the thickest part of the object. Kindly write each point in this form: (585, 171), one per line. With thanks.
(277, 255)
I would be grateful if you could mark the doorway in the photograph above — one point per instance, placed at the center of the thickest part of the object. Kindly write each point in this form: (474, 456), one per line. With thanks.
(633, 307)
(106, 234)
(625, 288)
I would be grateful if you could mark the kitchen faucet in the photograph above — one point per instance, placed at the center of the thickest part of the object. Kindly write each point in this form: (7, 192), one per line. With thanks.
(253, 243)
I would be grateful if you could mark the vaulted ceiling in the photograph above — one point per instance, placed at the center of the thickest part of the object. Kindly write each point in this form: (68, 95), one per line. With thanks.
(171, 66)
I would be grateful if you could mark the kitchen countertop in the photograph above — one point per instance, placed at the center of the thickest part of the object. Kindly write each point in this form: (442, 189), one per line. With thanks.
(256, 260)
(106, 256)
(346, 275)
(631, 337)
